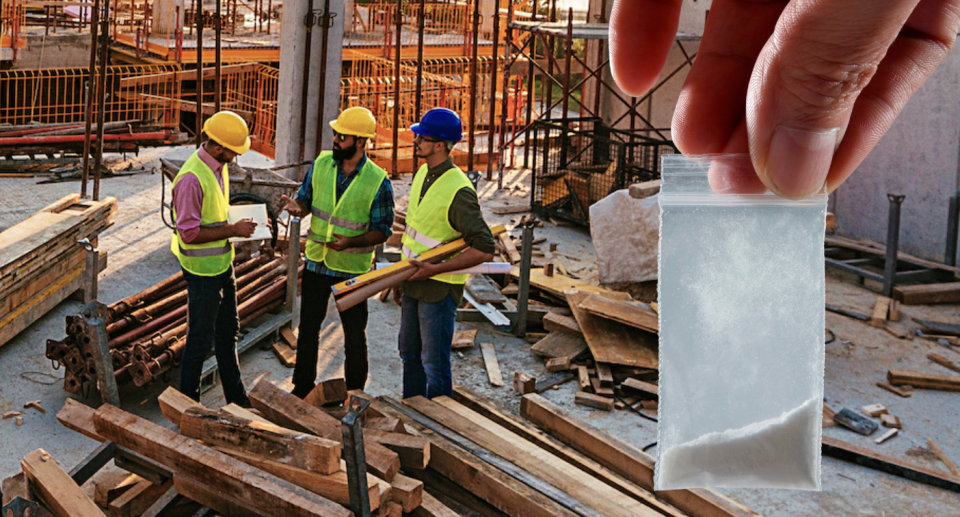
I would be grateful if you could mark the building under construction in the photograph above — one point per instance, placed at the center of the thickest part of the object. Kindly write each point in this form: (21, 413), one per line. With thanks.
(556, 358)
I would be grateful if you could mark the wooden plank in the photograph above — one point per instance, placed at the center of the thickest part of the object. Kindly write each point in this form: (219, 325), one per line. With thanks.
(943, 361)
(138, 499)
(414, 451)
(266, 441)
(644, 390)
(507, 210)
(408, 492)
(880, 311)
(927, 381)
(46, 277)
(557, 285)
(41, 303)
(554, 322)
(595, 401)
(464, 339)
(510, 247)
(289, 411)
(390, 509)
(332, 486)
(475, 402)
(109, 487)
(55, 488)
(484, 289)
(214, 498)
(78, 417)
(886, 436)
(554, 380)
(622, 309)
(490, 361)
(943, 457)
(927, 294)
(612, 342)
(524, 383)
(605, 375)
(384, 423)
(897, 390)
(173, 404)
(290, 336)
(328, 392)
(560, 344)
(431, 507)
(286, 355)
(181, 454)
(623, 459)
(583, 378)
(558, 364)
(589, 491)
(889, 464)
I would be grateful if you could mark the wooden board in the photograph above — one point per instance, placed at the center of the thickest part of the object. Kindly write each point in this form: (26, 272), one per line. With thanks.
(138, 499)
(384, 423)
(490, 361)
(889, 464)
(330, 391)
(927, 381)
(265, 441)
(510, 247)
(643, 390)
(612, 342)
(554, 322)
(623, 459)
(589, 491)
(414, 451)
(880, 311)
(464, 339)
(595, 401)
(214, 498)
(41, 303)
(622, 309)
(181, 454)
(484, 289)
(408, 492)
(55, 488)
(927, 294)
(431, 507)
(524, 383)
(173, 403)
(560, 344)
(288, 411)
(557, 285)
(943, 361)
(286, 355)
(78, 417)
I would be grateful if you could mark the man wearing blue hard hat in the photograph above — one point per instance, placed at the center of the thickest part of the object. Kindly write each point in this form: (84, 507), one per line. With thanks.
(443, 207)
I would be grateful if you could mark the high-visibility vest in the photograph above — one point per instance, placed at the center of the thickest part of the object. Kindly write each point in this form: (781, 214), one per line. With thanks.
(209, 258)
(350, 216)
(428, 221)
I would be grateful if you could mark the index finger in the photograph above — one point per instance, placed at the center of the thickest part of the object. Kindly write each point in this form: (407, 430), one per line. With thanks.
(650, 25)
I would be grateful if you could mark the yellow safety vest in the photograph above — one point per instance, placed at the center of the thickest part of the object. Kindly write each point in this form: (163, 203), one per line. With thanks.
(428, 221)
(350, 216)
(209, 258)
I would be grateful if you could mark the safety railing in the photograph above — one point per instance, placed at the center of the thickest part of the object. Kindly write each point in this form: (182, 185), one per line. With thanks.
(12, 19)
(255, 94)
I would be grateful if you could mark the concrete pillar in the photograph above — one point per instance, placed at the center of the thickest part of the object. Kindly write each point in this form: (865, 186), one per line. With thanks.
(164, 15)
(290, 109)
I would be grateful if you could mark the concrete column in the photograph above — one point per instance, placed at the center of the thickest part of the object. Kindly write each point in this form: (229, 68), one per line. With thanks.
(290, 109)
(165, 16)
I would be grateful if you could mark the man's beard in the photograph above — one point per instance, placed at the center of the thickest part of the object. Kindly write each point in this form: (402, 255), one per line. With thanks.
(344, 153)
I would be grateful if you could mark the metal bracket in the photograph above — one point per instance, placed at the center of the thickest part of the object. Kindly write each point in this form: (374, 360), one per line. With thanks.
(95, 329)
(353, 454)
(20, 507)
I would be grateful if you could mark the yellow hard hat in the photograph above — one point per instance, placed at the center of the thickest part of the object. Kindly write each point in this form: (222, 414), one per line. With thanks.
(356, 121)
(229, 130)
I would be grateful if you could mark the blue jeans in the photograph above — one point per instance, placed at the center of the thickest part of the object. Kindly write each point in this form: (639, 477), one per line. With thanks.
(212, 322)
(426, 337)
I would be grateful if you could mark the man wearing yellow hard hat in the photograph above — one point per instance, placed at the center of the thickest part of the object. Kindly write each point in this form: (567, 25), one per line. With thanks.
(350, 201)
(201, 198)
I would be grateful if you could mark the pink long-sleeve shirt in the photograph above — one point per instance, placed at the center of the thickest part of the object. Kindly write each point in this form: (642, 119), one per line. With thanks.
(188, 198)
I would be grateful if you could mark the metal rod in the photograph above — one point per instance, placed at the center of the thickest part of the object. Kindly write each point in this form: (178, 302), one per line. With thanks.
(395, 173)
(474, 65)
(493, 92)
(568, 54)
(324, 47)
(91, 89)
(953, 218)
(418, 101)
(505, 94)
(217, 29)
(523, 293)
(94, 321)
(305, 89)
(199, 16)
(101, 97)
(293, 256)
(531, 92)
(893, 238)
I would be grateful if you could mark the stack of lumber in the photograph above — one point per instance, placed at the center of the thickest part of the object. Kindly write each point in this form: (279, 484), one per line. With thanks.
(603, 338)
(41, 263)
(147, 331)
(281, 458)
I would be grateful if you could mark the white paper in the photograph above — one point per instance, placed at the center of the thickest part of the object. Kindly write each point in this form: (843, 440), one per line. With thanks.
(258, 213)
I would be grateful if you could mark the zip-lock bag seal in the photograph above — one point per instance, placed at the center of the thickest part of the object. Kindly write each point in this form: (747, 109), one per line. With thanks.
(741, 297)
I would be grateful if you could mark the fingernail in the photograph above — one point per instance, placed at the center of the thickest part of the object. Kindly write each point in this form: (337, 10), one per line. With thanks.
(799, 161)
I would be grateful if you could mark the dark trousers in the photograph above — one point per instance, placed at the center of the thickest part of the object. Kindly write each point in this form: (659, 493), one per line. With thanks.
(212, 322)
(426, 338)
(315, 295)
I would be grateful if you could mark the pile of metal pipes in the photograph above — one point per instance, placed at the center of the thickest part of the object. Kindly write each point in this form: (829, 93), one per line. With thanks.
(125, 135)
(147, 331)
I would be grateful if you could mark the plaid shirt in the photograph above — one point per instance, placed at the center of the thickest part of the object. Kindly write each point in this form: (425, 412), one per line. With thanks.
(381, 212)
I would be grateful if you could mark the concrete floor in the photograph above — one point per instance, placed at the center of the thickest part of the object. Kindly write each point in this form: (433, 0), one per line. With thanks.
(139, 257)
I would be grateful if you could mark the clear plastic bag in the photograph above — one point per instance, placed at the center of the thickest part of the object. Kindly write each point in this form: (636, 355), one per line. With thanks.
(741, 297)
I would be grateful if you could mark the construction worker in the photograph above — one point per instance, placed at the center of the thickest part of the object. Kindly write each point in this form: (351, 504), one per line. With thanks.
(351, 203)
(443, 207)
(201, 198)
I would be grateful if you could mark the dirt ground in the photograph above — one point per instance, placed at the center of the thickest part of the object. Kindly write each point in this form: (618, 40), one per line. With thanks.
(138, 247)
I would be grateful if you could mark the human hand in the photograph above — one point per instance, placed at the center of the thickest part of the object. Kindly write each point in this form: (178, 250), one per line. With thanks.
(291, 206)
(244, 228)
(341, 243)
(398, 296)
(425, 270)
(808, 88)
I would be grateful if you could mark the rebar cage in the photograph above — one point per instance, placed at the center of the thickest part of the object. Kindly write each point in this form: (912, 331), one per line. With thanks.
(579, 161)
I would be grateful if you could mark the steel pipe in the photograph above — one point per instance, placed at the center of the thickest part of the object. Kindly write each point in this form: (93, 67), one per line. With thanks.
(893, 238)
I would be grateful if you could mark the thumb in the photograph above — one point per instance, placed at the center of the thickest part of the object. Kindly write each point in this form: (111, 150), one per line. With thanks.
(806, 81)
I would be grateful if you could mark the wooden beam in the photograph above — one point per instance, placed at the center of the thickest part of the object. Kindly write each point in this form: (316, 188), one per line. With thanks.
(173, 404)
(414, 451)
(560, 345)
(626, 311)
(408, 492)
(55, 488)
(554, 322)
(623, 459)
(384, 423)
(464, 338)
(595, 401)
(889, 464)
(490, 361)
(510, 247)
(557, 285)
(924, 380)
(880, 311)
(330, 391)
(943, 361)
(289, 411)
(214, 498)
(249, 485)
(644, 390)
(266, 441)
(431, 507)
(78, 417)
(524, 383)
(927, 294)
(138, 499)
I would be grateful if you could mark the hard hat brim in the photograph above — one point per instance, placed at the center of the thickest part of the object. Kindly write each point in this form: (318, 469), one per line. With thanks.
(237, 149)
(415, 128)
(343, 131)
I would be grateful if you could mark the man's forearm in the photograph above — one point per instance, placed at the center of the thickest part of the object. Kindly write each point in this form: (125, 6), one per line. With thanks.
(370, 238)
(469, 257)
(217, 233)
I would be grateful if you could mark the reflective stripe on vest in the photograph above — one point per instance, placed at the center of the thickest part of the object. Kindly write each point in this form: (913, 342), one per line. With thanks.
(209, 258)
(428, 220)
(348, 216)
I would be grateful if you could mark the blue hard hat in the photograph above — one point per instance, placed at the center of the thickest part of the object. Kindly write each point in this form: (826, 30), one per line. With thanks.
(440, 123)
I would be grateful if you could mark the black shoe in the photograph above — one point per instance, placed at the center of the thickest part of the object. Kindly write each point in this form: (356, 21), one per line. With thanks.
(300, 394)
